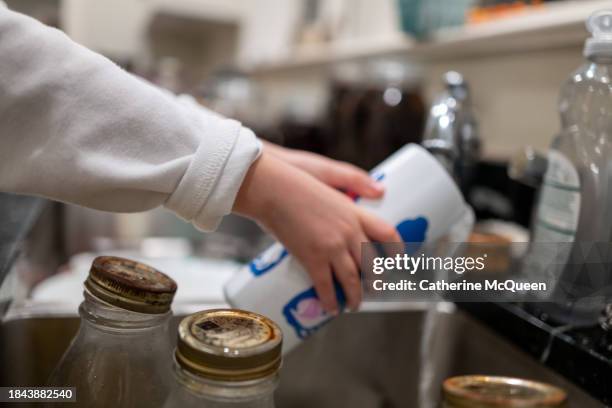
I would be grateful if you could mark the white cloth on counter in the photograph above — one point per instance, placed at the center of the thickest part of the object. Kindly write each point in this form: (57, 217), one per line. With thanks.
(76, 128)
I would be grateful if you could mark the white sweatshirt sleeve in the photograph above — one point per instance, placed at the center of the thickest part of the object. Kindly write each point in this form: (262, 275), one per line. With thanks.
(76, 128)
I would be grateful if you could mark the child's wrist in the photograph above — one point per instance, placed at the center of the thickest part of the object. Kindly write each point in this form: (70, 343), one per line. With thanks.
(253, 199)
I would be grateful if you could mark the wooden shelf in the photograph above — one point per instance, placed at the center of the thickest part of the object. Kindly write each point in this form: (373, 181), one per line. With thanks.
(548, 26)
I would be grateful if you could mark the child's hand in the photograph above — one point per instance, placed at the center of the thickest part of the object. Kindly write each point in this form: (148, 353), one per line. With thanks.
(334, 173)
(320, 226)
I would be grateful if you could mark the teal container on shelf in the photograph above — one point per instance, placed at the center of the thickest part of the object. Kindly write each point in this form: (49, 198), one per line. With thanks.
(422, 17)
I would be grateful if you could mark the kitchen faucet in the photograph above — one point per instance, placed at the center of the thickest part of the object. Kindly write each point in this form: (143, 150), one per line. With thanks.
(451, 132)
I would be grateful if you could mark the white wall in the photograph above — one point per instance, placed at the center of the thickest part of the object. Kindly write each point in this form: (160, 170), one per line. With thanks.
(112, 26)
(118, 27)
(268, 29)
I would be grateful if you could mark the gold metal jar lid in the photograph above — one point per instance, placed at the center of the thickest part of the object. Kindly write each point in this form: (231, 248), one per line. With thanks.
(479, 391)
(130, 285)
(229, 345)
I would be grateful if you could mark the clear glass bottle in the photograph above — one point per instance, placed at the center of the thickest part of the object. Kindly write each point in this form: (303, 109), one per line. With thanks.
(481, 391)
(119, 357)
(226, 358)
(575, 205)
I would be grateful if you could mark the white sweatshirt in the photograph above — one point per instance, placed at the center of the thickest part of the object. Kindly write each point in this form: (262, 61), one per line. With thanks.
(76, 128)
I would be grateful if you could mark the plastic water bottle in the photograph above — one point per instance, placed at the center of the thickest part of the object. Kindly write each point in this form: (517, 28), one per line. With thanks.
(575, 205)
(421, 199)
(585, 101)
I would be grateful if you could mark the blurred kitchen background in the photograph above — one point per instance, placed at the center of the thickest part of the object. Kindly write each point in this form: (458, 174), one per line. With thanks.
(350, 79)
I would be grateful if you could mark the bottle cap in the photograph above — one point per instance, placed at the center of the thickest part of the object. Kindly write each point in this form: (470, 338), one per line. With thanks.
(599, 44)
(479, 391)
(130, 285)
(229, 345)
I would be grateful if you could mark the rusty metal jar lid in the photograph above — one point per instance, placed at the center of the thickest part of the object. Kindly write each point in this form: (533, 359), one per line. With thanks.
(130, 285)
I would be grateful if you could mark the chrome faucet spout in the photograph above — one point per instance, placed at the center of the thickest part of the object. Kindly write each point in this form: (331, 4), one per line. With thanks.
(451, 132)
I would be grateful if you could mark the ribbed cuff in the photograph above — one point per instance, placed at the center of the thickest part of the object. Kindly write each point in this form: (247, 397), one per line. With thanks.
(246, 150)
(197, 184)
(207, 191)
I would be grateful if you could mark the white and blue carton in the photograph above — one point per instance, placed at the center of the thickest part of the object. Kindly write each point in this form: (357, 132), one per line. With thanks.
(421, 200)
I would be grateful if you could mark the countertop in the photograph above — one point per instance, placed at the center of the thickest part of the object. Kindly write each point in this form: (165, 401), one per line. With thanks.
(584, 356)
(18, 214)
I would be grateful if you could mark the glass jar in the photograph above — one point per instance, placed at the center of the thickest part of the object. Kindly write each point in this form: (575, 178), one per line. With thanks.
(120, 355)
(479, 391)
(226, 358)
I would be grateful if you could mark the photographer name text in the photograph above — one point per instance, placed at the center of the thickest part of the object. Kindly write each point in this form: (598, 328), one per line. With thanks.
(508, 285)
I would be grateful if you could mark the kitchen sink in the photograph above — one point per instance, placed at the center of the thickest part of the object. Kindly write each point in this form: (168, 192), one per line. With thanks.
(399, 359)
(369, 359)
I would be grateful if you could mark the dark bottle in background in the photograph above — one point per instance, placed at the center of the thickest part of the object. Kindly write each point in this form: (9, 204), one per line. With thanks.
(374, 109)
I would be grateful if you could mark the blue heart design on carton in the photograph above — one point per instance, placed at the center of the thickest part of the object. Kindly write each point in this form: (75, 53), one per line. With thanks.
(413, 230)
(413, 233)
